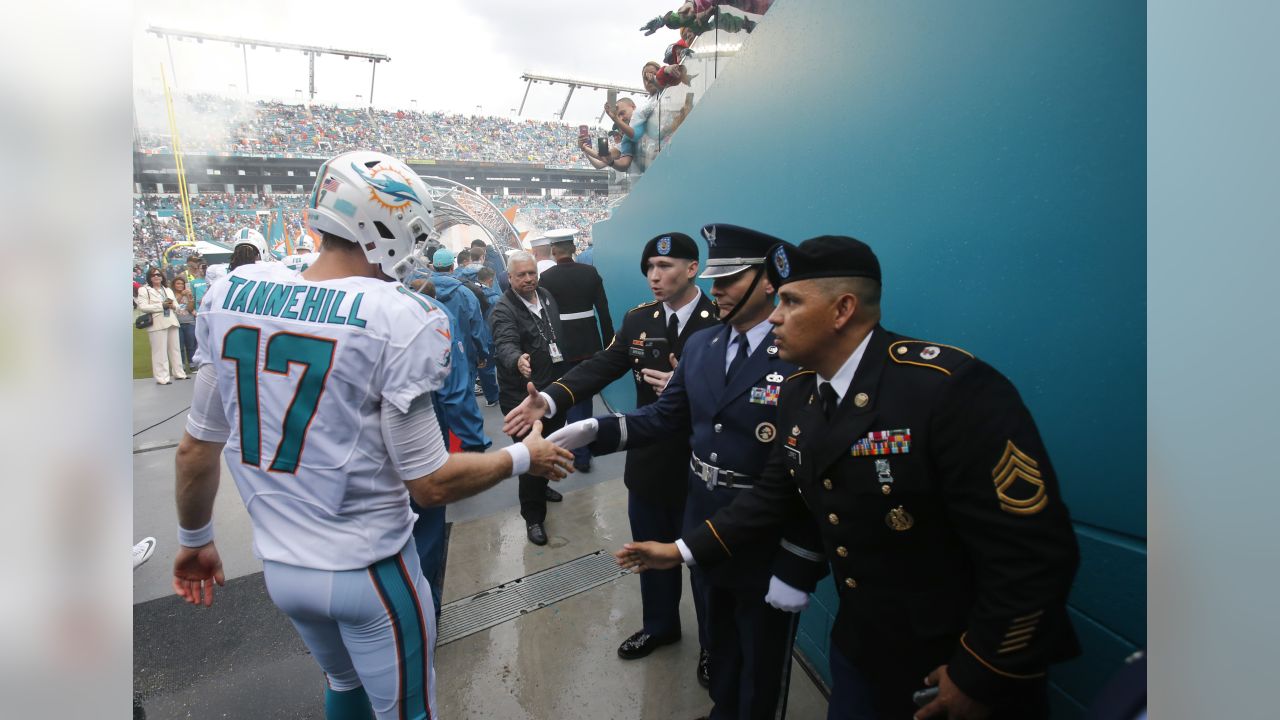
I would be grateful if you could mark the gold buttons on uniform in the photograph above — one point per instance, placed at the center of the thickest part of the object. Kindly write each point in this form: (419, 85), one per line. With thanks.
(833, 519)
(886, 488)
(842, 551)
(850, 582)
(826, 483)
(793, 472)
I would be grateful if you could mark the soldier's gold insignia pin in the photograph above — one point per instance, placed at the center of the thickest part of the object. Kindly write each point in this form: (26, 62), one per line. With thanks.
(795, 429)
(899, 519)
(705, 314)
(656, 313)
(861, 399)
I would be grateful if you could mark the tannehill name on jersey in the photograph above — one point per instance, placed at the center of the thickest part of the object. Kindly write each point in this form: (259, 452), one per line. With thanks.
(294, 302)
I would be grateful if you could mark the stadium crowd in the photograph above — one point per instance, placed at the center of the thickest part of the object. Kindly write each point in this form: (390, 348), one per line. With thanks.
(217, 217)
(273, 128)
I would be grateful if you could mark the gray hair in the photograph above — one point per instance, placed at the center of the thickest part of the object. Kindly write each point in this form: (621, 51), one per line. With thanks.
(520, 256)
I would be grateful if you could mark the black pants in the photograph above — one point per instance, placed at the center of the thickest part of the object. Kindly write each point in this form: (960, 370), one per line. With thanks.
(750, 654)
(533, 488)
(659, 589)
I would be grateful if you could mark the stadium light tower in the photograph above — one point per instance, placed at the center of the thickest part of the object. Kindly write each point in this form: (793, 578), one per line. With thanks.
(311, 51)
(573, 85)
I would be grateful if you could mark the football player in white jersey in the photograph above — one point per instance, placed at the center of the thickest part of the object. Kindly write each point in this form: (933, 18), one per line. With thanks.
(316, 387)
(248, 248)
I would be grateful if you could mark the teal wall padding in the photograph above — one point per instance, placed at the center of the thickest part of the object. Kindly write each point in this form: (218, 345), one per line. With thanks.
(994, 156)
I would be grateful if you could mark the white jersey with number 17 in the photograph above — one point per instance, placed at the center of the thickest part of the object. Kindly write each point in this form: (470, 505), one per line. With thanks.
(303, 369)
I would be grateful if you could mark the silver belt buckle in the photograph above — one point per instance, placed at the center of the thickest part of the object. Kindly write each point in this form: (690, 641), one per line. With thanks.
(708, 476)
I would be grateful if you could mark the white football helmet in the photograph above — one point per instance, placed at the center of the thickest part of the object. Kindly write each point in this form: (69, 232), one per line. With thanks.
(377, 202)
(249, 236)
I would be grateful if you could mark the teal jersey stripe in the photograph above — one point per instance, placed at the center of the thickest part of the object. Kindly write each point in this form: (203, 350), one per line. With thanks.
(426, 305)
(398, 598)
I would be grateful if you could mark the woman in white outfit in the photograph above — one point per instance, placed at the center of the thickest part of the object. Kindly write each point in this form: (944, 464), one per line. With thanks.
(166, 353)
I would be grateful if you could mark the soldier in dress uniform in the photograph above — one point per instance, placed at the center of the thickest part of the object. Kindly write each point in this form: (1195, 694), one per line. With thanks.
(580, 293)
(939, 510)
(725, 394)
(655, 476)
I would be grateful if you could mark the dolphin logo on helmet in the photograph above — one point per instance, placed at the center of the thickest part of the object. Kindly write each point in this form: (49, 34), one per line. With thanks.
(384, 183)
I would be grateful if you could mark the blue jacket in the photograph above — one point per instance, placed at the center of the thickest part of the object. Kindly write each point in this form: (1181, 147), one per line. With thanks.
(491, 294)
(463, 305)
(493, 259)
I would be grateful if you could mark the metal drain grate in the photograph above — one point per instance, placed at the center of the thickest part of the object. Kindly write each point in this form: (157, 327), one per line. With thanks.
(509, 601)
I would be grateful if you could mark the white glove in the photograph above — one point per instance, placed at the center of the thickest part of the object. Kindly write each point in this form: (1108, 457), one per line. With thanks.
(786, 598)
(576, 435)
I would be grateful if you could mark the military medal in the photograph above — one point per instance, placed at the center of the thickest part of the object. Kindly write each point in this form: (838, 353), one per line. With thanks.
(767, 395)
(899, 519)
(765, 432)
(883, 442)
(773, 378)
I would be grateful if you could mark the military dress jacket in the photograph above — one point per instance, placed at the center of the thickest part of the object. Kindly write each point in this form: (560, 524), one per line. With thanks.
(579, 291)
(658, 472)
(732, 423)
(940, 514)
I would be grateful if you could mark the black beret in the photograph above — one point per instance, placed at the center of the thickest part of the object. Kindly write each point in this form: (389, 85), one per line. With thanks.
(672, 245)
(822, 257)
(732, 248)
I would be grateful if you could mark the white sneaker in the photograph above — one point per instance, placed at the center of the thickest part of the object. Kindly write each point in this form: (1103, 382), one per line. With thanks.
(142, 551)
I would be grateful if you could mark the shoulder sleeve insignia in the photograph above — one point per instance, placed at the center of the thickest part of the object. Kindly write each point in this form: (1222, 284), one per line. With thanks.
(943, 358)
(1019, 484)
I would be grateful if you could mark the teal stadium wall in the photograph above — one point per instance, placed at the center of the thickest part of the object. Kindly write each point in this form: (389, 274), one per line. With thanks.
(994, 155)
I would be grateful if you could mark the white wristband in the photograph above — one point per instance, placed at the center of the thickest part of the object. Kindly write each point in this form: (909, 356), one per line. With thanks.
(519, 458)
(196, 538)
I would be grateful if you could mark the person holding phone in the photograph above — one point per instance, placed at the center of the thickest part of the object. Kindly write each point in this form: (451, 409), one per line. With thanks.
(166, 354)
(655, 476)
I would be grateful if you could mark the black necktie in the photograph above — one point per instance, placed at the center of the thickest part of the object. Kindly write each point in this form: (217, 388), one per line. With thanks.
(829, 400)
(738, 359)
(673, 330)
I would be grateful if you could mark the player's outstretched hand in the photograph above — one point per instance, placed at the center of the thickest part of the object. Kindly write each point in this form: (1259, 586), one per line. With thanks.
(641, 556)
(195, 570)
(524, 366)
(546, 459)
(523, 416)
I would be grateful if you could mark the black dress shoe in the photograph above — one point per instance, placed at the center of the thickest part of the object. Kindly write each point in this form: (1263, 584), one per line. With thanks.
(537, 534)
(641, 644)
(553, 496)
(704, 669)
(583, 467)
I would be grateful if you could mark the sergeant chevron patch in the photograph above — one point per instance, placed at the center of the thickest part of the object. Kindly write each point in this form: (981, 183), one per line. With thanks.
(1019, 498)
